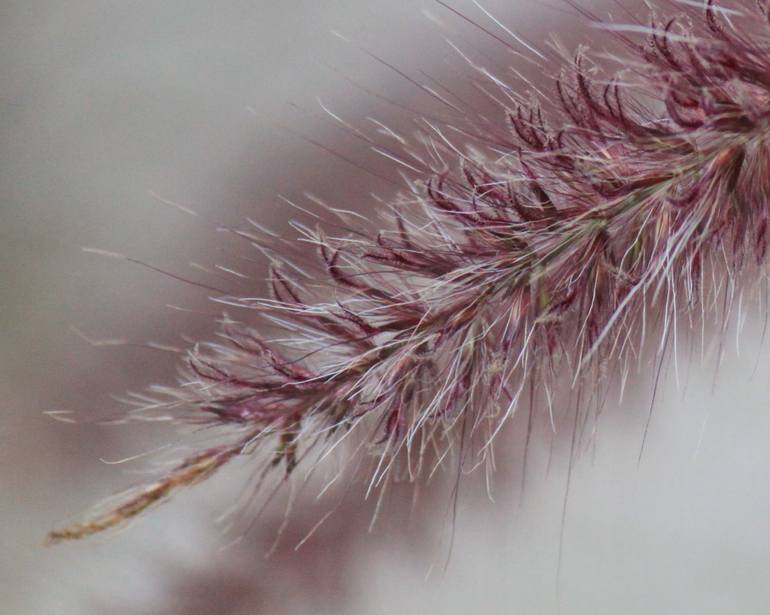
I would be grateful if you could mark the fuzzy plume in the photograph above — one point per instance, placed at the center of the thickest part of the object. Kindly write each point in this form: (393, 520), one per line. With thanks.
(528, 254)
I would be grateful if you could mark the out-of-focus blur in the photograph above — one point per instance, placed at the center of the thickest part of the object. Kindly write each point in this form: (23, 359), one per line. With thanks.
(111, 113)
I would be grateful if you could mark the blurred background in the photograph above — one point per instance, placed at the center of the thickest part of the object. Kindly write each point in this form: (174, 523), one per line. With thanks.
(111, 113)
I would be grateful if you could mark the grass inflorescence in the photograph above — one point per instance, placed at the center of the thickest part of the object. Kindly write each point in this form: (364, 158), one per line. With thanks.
(530, 247)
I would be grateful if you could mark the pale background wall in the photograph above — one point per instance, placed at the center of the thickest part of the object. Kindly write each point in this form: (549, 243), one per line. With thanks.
(103, 104)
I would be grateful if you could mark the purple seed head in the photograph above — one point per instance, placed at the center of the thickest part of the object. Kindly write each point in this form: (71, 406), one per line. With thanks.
(533, 254)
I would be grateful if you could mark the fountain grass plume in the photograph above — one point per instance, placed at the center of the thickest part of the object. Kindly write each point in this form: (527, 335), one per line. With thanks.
(530, 248)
